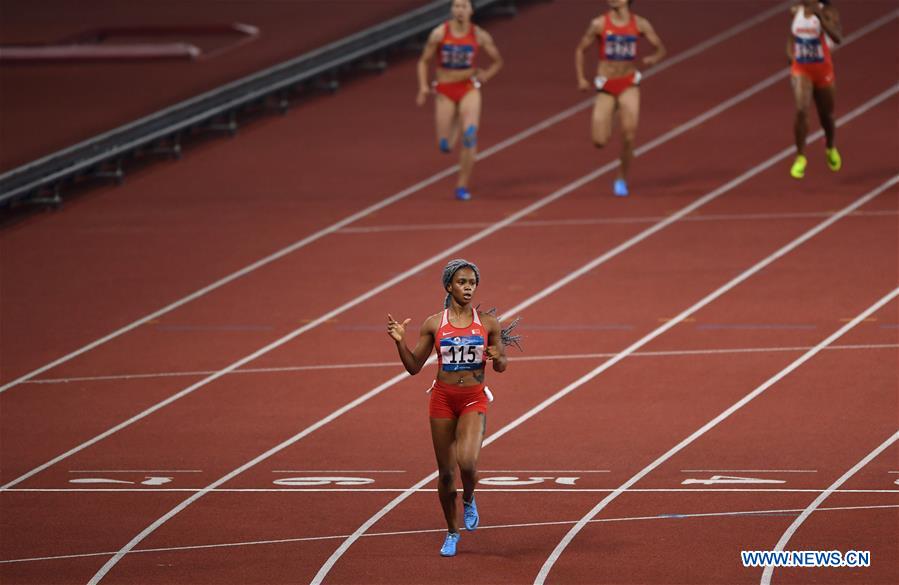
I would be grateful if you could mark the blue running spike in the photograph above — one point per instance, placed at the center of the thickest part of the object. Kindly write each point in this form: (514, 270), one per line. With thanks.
(449, 544)
(463, 194)
(620, 188)
(470, 514)
(444, 146)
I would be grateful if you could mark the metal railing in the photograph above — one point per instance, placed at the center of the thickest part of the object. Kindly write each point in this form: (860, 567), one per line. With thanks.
(91, 157)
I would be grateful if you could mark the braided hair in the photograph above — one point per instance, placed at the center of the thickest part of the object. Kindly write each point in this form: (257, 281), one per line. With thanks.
(450, 270)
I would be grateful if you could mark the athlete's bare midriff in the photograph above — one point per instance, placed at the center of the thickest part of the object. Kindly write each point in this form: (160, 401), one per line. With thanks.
(454, 75)
(615, 69)
(461, 379)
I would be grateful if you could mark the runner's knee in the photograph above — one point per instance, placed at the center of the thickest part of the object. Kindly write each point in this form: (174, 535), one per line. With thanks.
(447, 477)
(825, 112)
(470, 136)
(468, 467)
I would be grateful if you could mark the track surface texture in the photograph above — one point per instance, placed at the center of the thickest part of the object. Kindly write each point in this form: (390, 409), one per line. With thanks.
(197, 387)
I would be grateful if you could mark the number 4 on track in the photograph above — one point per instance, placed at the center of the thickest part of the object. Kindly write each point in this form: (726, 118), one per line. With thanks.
(729, 479)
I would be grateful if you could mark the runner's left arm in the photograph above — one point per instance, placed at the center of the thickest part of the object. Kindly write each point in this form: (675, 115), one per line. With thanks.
(486, 43)
(496, 351)
(645, 27)
(830, 22)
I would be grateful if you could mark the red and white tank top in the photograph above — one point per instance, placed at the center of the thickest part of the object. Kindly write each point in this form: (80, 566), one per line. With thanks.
(810, 43)
(458, 52)
(460, 348)
(618, 43)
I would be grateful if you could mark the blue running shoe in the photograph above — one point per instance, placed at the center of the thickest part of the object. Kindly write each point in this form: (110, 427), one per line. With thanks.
(463, 194)
(470, 514)
(449, 545)
(620, 188)
(444, 146)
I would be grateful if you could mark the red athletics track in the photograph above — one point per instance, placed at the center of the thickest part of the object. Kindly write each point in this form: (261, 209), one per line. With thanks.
(205, 243)
(257, 187)
(631, 292)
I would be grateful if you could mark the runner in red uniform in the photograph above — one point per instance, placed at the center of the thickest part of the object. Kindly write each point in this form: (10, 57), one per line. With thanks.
(457, 88)
(815, 26)
(617, 81)
(465, 340)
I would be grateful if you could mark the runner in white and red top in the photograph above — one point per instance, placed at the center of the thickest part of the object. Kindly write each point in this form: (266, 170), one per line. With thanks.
(617, 80)
(815, 27)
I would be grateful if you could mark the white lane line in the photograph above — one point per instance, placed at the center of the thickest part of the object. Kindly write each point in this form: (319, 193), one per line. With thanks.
(598, 221)
(326, 567)
(514, 358)
(558, 194)
(749, 470)
(135, 471)
(785, 538)
(745, 513)
(338, 471)
(511, 490)
(566, 540)
(693, 51)
(545, 292)
(544, 471)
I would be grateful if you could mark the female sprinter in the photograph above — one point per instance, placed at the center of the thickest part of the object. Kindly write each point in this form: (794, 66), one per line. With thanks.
(617, 81)
(465, 339)
(815, 24)
(458, 100)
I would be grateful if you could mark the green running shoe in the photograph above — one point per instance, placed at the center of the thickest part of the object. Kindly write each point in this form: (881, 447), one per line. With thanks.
(834, 161)
(797, 171)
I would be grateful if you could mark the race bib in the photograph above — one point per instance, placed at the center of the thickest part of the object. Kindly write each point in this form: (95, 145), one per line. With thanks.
(621, 47)
(462, 353)
(457, 56)
(808, 50)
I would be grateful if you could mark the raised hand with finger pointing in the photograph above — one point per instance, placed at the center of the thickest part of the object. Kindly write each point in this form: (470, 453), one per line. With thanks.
(395, 329)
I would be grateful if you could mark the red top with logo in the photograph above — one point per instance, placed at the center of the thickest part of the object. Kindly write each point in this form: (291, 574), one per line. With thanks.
(458, 52)
(460, 348)
(618, 43)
